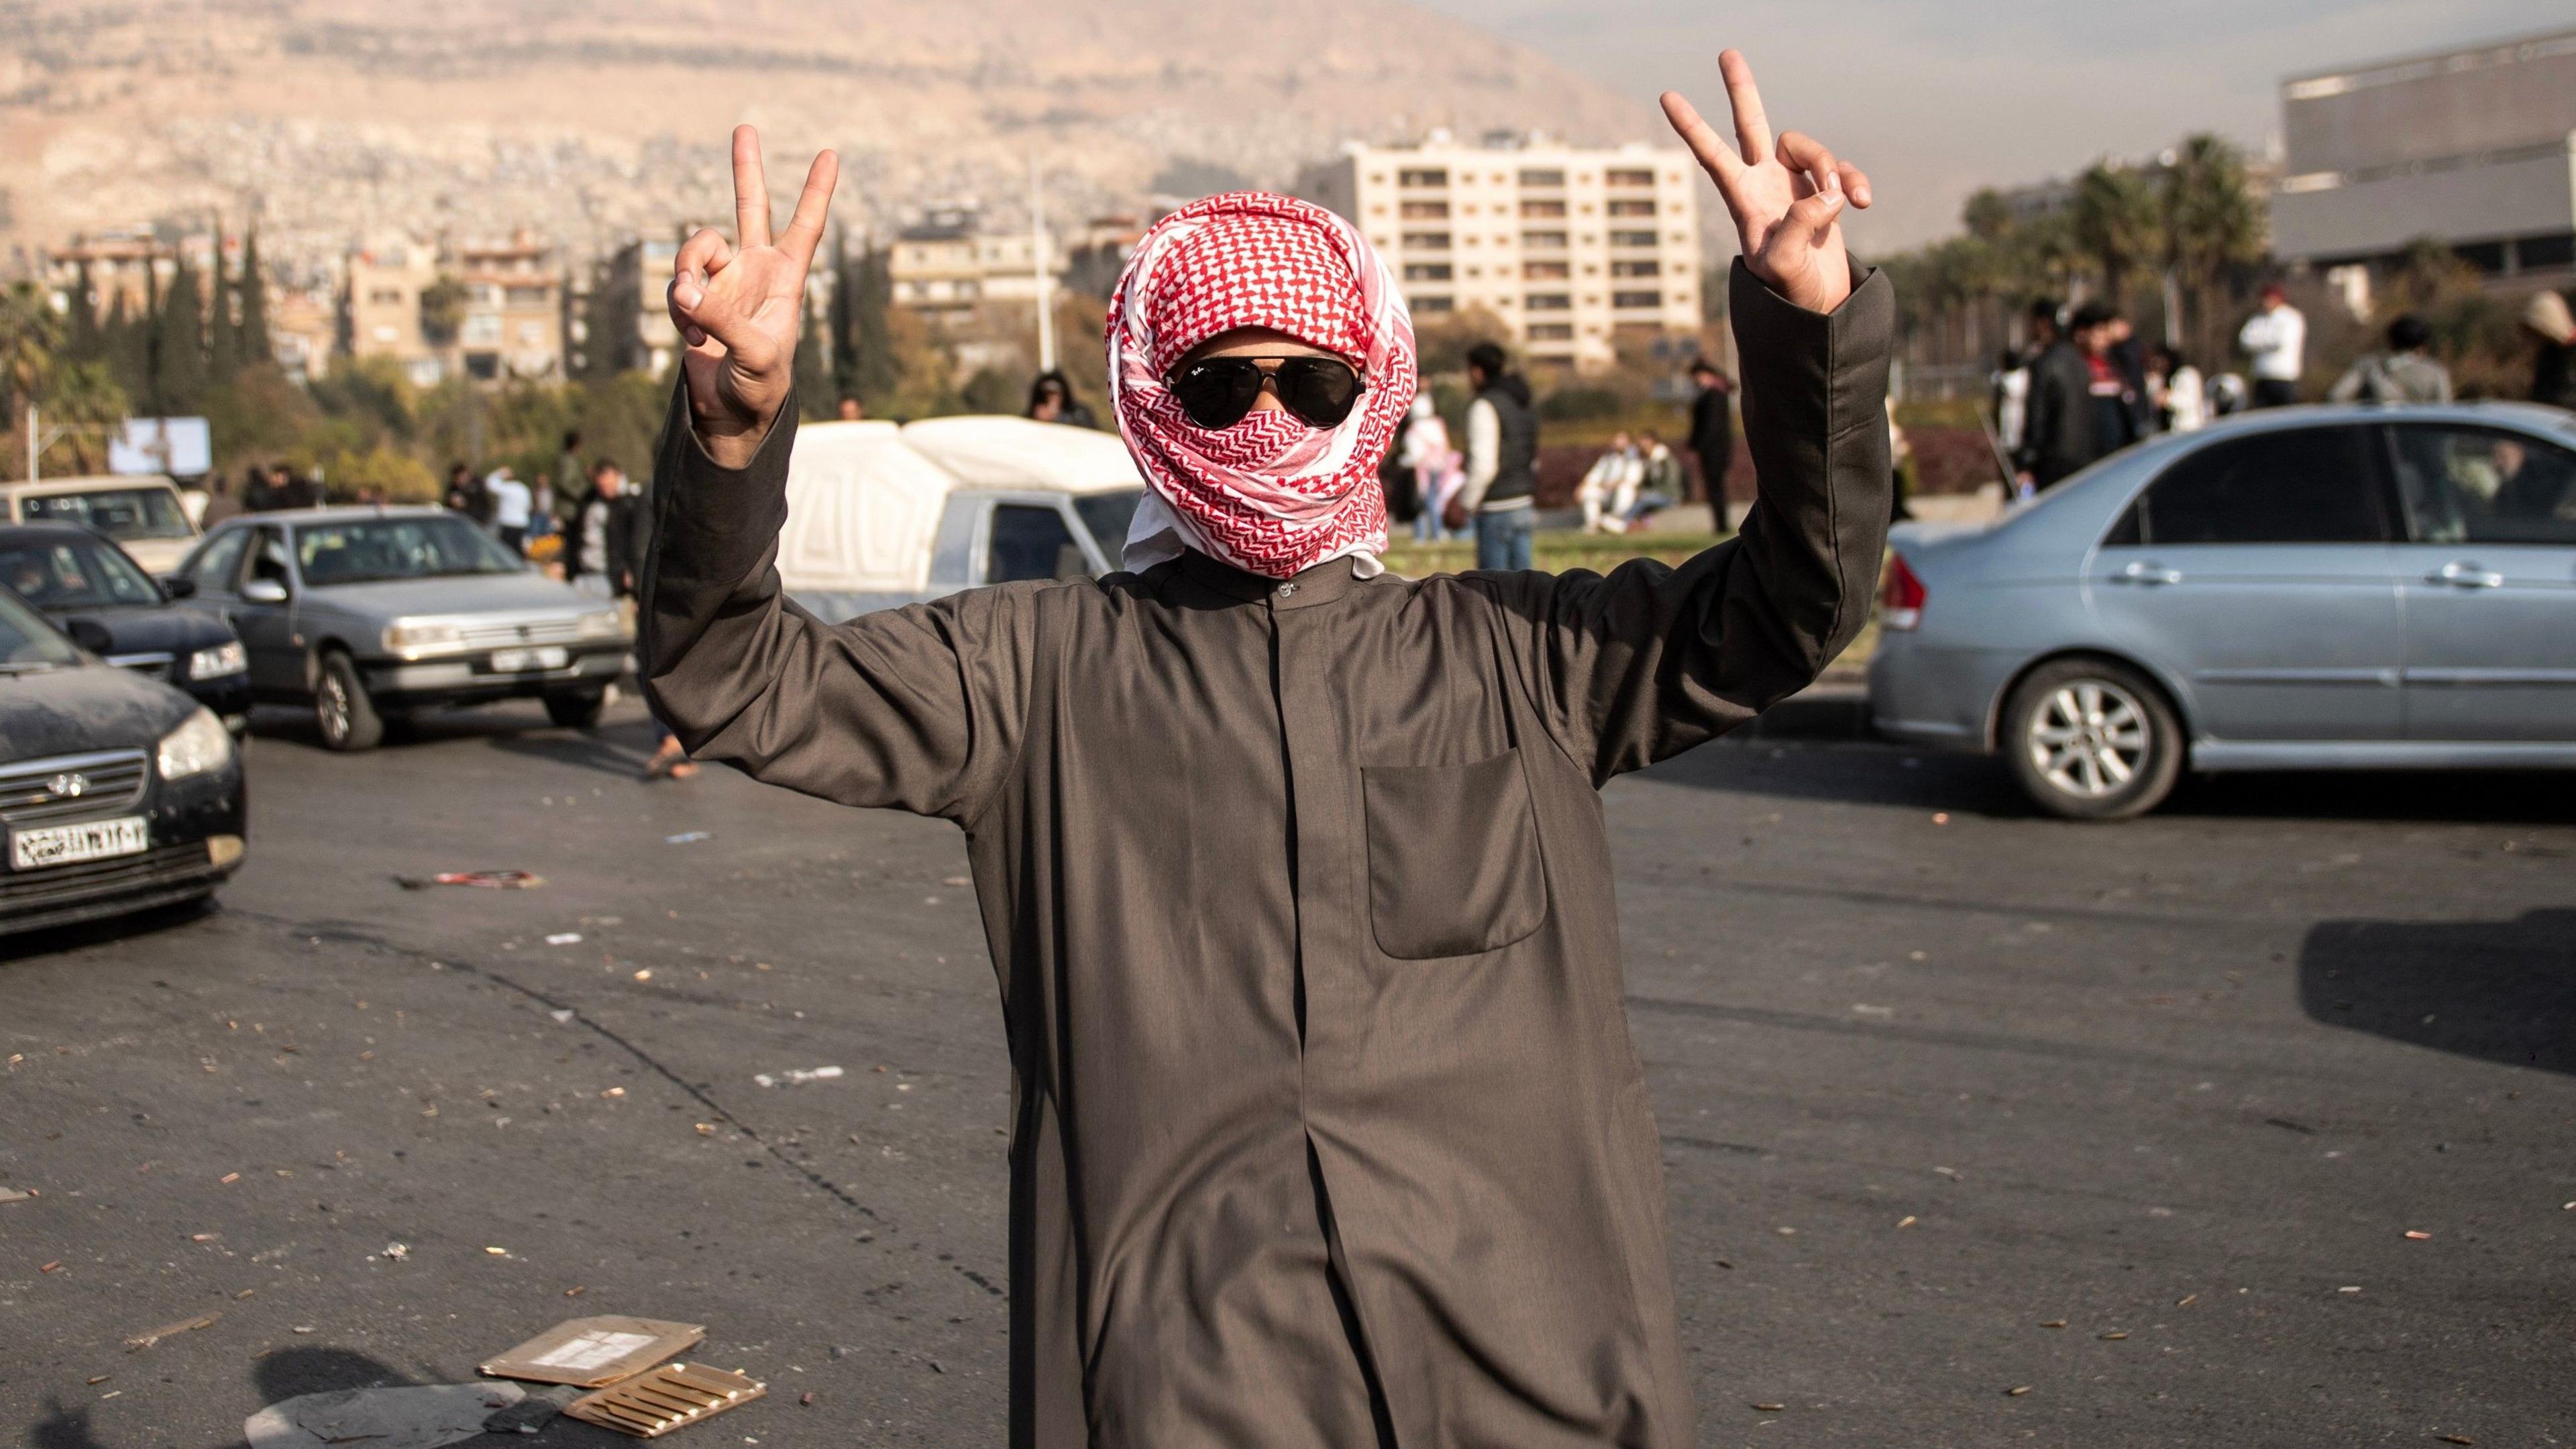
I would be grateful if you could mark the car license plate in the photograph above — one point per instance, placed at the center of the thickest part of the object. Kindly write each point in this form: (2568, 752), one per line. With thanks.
(71, 844)
(520, 661)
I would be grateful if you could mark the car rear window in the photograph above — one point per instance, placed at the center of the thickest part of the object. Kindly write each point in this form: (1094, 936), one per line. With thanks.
(120, 513)
(2301, 485)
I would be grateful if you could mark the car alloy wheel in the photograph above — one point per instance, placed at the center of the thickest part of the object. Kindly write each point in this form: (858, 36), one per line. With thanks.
(331, 709)
(2089, 738)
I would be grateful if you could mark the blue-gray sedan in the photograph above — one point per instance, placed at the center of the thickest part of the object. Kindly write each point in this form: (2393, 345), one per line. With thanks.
(2302, 588)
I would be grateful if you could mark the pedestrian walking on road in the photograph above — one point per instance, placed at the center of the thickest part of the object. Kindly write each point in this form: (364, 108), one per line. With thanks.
(2406, 372)
(2275, 340)
(2097, 331)
(1712, 433)
(1326, 1127)
(592, 563)
(2057, 435)
(2180, 397)
(512, 504)
(1502, 462)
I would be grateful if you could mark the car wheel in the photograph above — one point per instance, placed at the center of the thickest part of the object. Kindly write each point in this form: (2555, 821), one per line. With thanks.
(577, 709)
(342, 711)
(2090, 739)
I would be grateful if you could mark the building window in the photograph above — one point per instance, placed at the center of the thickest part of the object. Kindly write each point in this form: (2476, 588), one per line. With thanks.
(1625, 177)
(1423, 176)
(1543, 271)
(1426, 271)
(529, 296)
(1542, 176)
(1435, 304)
(1531, 207)
(1475, 271)
(1425, 211)
(1642, 206)
(1624, 300)
(385, 296)
(1543, 240)
(1550, 302)
(1426, 241)
(1643, 267)
(1377, 178)
(1551, 332)
(1632, 238)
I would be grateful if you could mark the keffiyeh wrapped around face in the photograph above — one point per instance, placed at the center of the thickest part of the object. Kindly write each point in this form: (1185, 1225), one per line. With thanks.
(1271, 494)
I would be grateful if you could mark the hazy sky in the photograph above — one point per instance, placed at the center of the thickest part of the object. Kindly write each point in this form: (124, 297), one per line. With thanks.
(1939, 97)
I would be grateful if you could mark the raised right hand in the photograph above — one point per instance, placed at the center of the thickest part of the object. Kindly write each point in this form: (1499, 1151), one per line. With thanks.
(739, 310)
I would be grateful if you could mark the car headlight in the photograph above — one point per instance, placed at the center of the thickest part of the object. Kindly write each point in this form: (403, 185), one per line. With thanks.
(603, 624)
(195, 747)
(407, 636)
(219, 661)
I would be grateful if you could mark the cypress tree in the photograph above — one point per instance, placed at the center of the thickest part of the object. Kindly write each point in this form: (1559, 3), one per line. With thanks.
(86, 341)
(875, 372)
(251, 342)
(223, 352)
(128, 346)
(845, 381)
(813, 370)
(181, 333)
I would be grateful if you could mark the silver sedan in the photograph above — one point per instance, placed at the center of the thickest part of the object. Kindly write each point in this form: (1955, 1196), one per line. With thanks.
(2302, 588)
(361, 613)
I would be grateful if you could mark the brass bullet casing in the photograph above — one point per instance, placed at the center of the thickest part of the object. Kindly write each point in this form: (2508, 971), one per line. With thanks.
(653, 1404)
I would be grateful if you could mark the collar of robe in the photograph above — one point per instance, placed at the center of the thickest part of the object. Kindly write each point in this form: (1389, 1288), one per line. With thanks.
(1324, 583)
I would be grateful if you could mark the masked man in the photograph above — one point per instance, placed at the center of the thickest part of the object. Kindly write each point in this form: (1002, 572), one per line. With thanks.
(1327, 1130)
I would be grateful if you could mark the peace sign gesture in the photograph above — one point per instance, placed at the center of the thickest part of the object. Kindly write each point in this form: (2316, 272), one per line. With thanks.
(1787, 202)
(739, 310)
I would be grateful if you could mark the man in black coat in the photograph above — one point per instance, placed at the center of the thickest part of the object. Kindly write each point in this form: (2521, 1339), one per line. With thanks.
(2057, 437)
(1712, 430)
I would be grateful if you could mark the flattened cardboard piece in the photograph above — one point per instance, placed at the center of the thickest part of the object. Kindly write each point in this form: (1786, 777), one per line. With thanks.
(590, 1353)
(651, 1405)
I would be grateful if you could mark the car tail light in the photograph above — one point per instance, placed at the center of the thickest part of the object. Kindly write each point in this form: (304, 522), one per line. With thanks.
(1900, 595)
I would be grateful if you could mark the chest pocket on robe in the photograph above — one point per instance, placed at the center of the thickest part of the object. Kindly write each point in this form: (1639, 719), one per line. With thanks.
(1453, 857)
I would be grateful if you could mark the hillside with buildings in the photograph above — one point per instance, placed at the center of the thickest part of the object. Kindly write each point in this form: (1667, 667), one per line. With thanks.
(331, 120)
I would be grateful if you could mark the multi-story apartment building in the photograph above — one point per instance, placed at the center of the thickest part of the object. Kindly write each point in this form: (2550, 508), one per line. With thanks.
(947, 266)
(512, 323)
(131, 263)
(1578, 250)
(638, 279)
(383, 283)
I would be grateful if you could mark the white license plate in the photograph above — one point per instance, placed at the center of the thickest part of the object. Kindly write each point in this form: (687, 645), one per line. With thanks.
(520, 661)
(71, 844)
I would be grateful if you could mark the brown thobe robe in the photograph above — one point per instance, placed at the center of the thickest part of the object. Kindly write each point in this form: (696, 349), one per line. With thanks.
(1327, 1131)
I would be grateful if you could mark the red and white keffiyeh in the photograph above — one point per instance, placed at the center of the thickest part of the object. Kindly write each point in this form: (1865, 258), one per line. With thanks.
(1270, 494)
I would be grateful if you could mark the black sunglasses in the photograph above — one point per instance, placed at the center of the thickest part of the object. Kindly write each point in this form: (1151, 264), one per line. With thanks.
(1217, 391)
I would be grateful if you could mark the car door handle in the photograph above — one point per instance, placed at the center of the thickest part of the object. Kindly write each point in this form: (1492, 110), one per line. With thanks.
(2147, 573)
(2465, 575)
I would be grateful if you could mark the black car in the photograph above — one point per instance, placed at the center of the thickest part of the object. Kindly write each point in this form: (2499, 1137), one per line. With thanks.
(118, 793)
(94, 592)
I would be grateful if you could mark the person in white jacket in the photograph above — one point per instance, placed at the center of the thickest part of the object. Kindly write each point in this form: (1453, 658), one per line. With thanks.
(2275, 340)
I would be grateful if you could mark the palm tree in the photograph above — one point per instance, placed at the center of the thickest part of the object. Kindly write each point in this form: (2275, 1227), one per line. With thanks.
(2213, 224)
(2115, 220)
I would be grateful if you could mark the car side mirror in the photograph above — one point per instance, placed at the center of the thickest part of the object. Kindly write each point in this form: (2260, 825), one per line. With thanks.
(179, 586)
(263, 591)
(91, 635)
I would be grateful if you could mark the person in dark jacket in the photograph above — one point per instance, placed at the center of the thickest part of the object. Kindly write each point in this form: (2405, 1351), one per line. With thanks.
(2057, 435)
(1712, 431)
(1326, 1127)
(594, 557)
(2553, 367)
(1502, 462)
(1051, 400)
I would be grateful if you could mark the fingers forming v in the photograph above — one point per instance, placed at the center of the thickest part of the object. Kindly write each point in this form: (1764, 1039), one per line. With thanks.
(1752, 127)
(750, 190)
(1715, 156)
(805, 229)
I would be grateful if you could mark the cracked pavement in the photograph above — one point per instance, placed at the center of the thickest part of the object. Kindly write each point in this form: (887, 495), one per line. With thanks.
(1933, 1075)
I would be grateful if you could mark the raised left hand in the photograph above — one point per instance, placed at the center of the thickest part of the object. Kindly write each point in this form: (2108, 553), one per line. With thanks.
(1787, 200)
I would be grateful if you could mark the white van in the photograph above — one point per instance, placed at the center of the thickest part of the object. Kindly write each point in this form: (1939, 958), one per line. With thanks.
(143, 513)
(880, 515)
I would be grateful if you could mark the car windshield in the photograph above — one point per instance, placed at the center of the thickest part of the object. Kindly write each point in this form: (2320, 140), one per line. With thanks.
(27, 642)
(371, 550)
(74, 574)
(120, 513)
(1107, 516)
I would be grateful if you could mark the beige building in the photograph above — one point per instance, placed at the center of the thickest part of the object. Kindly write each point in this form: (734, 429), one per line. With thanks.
(382, 297)
(947, 266)
(512, 323)
(130, 262)
(1578, 249)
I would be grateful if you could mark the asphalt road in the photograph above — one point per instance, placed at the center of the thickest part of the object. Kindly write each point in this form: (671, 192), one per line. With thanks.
(1935, 1078)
